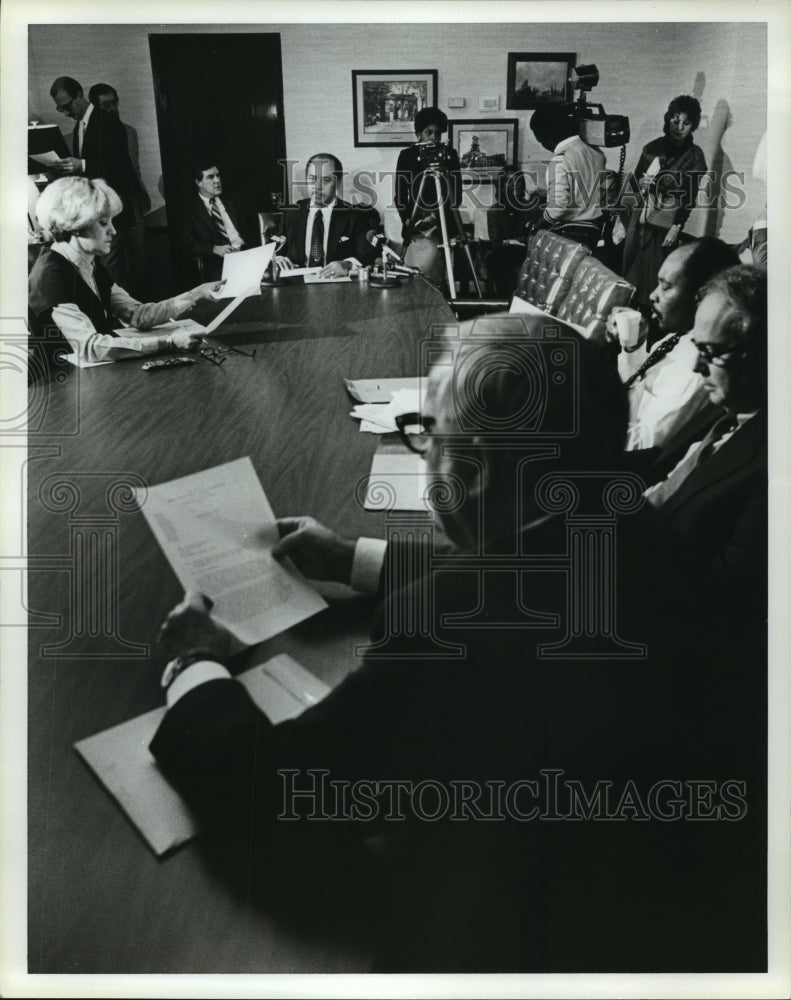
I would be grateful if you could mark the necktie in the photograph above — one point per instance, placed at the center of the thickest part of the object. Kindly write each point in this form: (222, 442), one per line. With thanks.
(75, 139)
(317, 241)
(217, 219)
(659, 352)
(657, 495)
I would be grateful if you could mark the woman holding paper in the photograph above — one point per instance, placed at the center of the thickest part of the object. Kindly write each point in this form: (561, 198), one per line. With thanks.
(668, 174)
(68, 289)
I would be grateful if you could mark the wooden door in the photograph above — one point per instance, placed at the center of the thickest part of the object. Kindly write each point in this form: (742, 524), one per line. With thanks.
(221, 94)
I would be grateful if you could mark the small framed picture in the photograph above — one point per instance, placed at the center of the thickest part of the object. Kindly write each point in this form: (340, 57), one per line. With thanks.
(386, 102)
(485, 146)
(536, 78)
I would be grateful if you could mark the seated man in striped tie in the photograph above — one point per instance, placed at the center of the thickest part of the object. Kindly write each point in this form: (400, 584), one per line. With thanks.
(323, 230)
(713, 493)
(216, 223)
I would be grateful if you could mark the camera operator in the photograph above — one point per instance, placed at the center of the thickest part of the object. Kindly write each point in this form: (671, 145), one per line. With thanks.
(575, 176)
(424, 234)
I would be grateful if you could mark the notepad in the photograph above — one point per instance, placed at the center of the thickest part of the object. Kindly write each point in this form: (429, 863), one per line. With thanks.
(121, 760)
(398, 479)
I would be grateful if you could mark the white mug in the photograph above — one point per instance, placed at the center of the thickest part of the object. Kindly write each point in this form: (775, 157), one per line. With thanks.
(627, 323)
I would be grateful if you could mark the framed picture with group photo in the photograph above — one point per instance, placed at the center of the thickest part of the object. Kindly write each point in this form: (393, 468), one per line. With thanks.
(485, 146)
(386, 101)
(536, 78)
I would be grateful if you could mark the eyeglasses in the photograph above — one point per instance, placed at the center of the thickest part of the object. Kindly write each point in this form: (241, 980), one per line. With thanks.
(707, 356)
(415, 431)
(63, 108)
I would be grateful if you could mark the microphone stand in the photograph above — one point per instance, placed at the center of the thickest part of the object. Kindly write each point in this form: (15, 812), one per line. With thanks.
(384, 280)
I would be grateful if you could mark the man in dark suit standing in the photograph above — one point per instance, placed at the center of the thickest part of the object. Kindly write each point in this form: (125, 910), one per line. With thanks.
(216, 223)
(324, 231)
(100, 149)
(715, 496)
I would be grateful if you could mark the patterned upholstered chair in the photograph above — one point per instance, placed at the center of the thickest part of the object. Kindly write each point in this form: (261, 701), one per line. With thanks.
(549, 267)
(594, 291)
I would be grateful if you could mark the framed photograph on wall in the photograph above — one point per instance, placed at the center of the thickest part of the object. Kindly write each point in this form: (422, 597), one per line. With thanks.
(536, 78)
(386, 102)
(485, 146)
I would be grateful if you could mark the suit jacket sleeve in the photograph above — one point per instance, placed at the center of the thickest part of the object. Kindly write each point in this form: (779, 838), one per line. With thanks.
(199, 236)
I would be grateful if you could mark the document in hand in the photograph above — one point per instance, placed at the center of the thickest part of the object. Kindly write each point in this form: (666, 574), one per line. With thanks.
(242, 271)
(120, 758)
(217, 530)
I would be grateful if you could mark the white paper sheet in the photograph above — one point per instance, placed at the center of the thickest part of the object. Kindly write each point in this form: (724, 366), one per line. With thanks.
(281, 688)
(398, 479)
(217, 530)
(242, 271)
(379, 390)
(45, 158)
(296, 272)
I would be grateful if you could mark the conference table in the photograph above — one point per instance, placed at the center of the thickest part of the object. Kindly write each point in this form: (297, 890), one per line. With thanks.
(99, 585)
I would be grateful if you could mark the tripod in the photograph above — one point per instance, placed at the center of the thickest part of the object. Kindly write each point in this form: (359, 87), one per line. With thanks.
(461, 237)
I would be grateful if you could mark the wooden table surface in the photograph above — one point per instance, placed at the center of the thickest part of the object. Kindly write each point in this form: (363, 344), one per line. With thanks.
(99, 585)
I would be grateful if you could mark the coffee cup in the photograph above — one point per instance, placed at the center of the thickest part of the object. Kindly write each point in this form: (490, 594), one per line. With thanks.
(627, 323)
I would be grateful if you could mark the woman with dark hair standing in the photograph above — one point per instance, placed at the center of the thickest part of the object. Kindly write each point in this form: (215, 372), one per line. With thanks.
(668, 174)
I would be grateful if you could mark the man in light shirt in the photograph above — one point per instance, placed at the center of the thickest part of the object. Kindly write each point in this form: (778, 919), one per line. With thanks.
(216, 223)
(575, 177)
(323, 230)
(665, 390)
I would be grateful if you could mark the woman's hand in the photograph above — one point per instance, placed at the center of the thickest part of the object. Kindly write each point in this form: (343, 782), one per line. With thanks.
(208, 290)
(672, 236)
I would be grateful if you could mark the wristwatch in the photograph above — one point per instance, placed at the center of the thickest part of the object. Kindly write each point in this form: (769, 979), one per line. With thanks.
(175, 666)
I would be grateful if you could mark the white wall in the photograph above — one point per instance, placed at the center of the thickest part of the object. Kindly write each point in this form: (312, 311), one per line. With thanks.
(642, 67)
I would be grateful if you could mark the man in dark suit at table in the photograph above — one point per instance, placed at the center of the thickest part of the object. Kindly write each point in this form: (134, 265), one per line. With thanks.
(487, 694)
(323, 230)
(100, 149)
(714, 494)
(216, 223)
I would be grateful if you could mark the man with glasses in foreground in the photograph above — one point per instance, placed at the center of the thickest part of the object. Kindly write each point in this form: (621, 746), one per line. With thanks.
(474, 682)
(100, 148)
(714, 497)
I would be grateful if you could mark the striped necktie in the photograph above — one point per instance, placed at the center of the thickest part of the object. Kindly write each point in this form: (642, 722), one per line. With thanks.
(217, 220)
(317, 241)
(659, 352)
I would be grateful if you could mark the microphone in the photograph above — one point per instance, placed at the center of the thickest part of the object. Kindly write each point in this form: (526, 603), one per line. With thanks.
(379, 241)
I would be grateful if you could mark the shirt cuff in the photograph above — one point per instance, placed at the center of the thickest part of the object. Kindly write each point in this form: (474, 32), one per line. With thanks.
(369, 557)
(196, 674)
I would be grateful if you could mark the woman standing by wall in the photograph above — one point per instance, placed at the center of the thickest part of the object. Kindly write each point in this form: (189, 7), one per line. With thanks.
(668, 173)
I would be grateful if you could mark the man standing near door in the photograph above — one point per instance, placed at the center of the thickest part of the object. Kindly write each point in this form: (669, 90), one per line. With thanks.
(100, 149)
(216, 223)
(324, 231)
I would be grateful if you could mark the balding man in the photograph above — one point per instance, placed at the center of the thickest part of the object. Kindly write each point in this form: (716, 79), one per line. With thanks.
(452, 742)
(714, 498)
(323, 230)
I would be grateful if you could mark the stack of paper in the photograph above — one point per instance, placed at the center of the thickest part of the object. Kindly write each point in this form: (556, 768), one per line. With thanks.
(377, 414)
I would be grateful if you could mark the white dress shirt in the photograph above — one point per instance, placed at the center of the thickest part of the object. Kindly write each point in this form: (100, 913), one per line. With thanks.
(669, 394)
(326, 211)
(80, 126)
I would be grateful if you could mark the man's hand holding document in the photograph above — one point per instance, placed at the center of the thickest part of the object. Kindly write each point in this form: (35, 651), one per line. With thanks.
(217, 530)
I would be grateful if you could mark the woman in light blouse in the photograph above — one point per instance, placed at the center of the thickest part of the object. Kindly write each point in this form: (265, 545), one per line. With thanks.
(69, 288)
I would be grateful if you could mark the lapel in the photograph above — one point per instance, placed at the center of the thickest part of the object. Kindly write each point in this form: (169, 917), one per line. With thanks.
(338, 227)
(733, 460)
